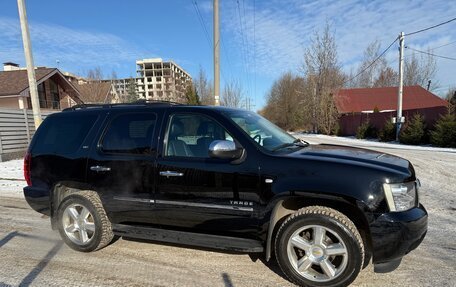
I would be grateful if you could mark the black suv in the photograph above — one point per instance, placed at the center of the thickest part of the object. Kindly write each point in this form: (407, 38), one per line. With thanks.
(223, 178)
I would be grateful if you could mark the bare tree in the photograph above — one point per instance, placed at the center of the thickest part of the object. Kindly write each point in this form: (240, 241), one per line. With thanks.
(95, 90)
(285, 103)
(387, 77)
(324, 76)
(113, 75)
(419, 70)
(232, 95)
(371, 72)
(94, 74)
(204, 88)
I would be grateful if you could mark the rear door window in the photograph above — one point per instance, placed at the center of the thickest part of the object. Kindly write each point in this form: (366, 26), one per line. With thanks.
(63, 134)
(130, 134)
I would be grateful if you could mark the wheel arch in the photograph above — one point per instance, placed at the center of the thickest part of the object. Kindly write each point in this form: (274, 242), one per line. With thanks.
(59, 192)
(287, 205)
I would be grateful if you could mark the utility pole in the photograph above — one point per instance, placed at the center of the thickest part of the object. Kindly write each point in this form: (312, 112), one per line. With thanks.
(29, 61)
(399, 119)
(216, 54)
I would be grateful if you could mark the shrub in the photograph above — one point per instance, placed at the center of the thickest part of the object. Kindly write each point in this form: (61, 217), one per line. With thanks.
(388, 132)
(444, 133)
(366, 130)
(414, 132)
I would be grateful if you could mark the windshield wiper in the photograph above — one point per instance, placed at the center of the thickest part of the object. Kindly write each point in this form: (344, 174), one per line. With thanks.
(296, 142)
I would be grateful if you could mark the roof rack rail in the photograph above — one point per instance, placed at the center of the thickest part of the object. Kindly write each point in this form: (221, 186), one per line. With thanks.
(143, 101)
(136, 103)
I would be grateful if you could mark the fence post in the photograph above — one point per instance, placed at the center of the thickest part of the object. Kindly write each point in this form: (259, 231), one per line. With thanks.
(1, 149)
(27, 128)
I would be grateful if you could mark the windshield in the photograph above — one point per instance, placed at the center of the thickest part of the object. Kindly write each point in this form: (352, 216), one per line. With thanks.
(263, 132)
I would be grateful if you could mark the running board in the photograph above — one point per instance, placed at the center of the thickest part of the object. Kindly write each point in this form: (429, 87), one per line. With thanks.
(189, 238)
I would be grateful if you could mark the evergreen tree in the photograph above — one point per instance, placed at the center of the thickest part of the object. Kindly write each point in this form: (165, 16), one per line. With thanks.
(444, 134)
(191, 94)
(388, 132)
(414, 131)
(131, 96)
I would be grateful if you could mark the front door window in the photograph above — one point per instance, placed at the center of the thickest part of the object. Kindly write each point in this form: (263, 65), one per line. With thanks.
(189, 135)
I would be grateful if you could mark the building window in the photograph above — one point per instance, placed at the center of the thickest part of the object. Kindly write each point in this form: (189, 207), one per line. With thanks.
(54, 101)
(41, 96)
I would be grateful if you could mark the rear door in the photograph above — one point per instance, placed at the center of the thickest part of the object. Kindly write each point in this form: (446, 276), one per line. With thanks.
(121, 166)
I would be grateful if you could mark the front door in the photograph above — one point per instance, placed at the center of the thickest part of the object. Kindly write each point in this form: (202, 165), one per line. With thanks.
(122, 166)
(199, 193)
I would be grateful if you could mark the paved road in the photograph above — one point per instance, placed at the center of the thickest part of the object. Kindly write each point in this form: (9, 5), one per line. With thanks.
(32, 254)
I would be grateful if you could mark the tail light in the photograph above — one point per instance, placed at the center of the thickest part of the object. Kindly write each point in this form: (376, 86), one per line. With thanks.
(27, 164)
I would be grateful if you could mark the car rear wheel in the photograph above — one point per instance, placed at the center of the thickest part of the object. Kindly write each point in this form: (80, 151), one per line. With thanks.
(83, 223)
(319, 246)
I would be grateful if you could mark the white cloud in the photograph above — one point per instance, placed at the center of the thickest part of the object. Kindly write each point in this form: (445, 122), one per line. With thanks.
(283, 29)
(73, 48)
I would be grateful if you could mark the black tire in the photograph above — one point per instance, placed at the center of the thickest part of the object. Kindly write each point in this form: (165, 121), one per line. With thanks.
(100, 232)
(338, 230)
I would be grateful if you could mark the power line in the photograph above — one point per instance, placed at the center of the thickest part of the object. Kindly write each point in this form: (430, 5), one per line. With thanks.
(444, 45)
(243, 48)
(201, 20)
(430, 54)
(248, 50)
(372, 63)
(432, 27)
(203, 25)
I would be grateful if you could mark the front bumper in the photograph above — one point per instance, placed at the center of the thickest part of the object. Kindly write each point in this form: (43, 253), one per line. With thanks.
(395, 234)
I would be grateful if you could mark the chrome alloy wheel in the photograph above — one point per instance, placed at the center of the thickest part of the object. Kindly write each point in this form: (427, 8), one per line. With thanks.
(317, 253)
(78, 224)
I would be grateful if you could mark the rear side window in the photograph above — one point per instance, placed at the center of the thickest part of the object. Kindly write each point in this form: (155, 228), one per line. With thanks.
(130, 133)
(63, 134)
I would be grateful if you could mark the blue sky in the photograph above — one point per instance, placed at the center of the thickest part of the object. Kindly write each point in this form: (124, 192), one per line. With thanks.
(260, 39)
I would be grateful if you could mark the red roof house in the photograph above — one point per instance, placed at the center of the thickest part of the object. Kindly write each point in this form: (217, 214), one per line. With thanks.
(380, 104)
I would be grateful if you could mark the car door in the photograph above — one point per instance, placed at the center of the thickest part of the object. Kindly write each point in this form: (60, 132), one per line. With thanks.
(121, 166)
(199, 193)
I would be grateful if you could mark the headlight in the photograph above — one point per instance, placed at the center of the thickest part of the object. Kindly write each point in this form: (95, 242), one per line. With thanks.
(401, 196)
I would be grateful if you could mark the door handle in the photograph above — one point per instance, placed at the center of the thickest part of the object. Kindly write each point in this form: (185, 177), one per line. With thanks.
(99, 168)
(169, 173)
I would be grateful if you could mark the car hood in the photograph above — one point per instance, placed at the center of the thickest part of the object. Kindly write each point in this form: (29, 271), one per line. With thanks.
(353, 155)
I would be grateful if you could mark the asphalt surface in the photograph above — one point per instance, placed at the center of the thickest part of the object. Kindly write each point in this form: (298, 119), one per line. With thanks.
(31, 254)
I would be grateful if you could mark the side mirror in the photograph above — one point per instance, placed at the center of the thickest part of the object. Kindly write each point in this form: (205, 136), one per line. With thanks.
(224, 150)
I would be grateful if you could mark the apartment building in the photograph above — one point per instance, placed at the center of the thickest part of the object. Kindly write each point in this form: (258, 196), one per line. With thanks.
(159, 80)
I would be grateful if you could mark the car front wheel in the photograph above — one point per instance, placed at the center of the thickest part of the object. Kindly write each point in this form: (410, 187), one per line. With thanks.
(319, 246)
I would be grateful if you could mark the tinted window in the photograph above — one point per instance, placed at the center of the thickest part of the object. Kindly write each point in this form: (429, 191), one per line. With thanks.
(130, 133)
(63, 134)
(190, 135)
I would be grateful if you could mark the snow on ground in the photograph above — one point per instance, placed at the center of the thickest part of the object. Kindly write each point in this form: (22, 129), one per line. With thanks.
(13, 169)
(12, 178)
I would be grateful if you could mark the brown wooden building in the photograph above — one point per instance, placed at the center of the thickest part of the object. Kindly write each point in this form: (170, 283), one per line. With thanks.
(55, 92)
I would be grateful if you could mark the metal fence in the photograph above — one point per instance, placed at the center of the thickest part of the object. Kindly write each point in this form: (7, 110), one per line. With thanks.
(16, 130)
